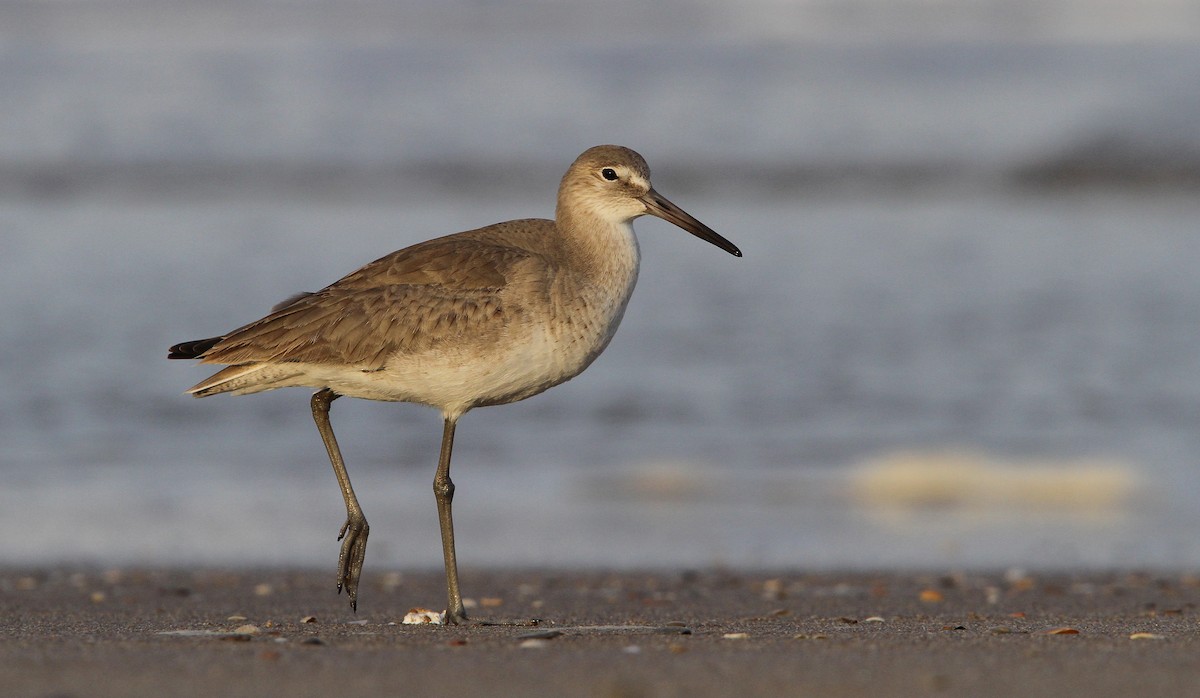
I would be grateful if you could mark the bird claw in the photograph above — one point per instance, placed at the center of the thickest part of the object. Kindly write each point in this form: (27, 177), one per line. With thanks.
(350, 561)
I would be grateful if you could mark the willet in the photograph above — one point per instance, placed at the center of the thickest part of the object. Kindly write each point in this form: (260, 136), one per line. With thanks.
(484, 317)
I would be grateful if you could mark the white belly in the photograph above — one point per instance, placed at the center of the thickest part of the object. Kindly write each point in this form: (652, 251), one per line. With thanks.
(457, 379)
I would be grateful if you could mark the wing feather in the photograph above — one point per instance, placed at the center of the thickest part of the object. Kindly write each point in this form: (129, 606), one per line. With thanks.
(405, 302)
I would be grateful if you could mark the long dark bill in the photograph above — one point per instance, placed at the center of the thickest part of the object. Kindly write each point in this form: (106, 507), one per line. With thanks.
(658, 205)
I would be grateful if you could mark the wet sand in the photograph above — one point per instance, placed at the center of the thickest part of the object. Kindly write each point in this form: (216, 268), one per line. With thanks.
(151, 632)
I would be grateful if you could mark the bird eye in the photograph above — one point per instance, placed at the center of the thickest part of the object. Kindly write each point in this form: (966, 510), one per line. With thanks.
(609, 173)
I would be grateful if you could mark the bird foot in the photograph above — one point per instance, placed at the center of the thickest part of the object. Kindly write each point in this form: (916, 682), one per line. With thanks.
(350, 561)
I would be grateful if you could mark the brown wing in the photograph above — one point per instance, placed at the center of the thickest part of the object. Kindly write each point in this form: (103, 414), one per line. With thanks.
(405, 302)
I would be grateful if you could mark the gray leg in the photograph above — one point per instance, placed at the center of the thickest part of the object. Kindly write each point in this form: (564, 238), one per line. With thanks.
(443, 490)
(354, 532)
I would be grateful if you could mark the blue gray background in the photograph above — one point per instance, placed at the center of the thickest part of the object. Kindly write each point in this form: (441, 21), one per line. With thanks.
(965, 333)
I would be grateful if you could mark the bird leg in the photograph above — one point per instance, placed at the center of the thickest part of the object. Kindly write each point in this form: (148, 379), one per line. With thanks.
(354, 532)
(443, 490)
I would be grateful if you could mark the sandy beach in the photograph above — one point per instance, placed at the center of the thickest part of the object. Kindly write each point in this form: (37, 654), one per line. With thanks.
(153, 632)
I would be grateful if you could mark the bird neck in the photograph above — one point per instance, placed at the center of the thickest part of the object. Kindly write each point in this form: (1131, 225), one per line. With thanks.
(598, 246)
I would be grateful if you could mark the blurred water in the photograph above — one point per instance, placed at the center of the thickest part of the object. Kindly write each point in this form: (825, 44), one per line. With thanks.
(986, 244)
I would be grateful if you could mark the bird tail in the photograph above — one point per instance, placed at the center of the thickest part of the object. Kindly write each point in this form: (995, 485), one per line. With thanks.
(239, 379)
(192, 350)
(244, 379)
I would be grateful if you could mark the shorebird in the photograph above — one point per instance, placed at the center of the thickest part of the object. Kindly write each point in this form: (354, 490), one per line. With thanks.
(483, 317)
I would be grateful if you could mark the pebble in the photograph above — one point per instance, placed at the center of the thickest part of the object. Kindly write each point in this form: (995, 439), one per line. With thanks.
(234, 637)
(533, 643)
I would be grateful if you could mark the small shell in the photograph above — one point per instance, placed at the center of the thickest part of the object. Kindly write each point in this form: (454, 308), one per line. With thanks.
(424, 616)
(1060, 631)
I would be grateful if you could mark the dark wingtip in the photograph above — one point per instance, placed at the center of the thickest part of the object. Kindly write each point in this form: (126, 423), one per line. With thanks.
(193, 349)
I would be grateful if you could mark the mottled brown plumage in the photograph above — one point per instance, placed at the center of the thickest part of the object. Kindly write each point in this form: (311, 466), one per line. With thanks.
(483, 317)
